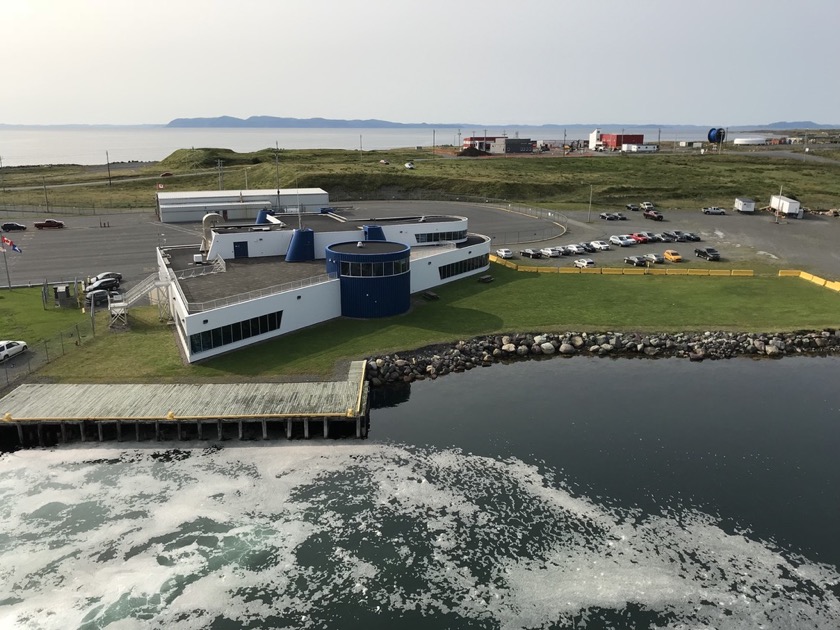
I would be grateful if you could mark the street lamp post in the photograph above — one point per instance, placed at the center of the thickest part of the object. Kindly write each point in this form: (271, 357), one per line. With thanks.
(589, 216)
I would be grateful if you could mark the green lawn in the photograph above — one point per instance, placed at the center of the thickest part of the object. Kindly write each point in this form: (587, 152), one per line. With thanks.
(514, 302)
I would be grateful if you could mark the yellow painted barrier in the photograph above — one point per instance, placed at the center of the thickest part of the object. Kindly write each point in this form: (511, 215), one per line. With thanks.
(591, 270)
(547, 269)
(698, 272)
(611, 271)
(833, 285)
(657, 271)
(819, 281)
(528, 269)
(789, 273)
(677, 272)
(806, 276)
(634, 272)
(568, 270)
(743, 272)
(720, 272)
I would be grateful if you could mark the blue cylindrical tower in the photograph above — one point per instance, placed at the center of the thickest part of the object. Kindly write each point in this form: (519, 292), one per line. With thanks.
(374, 276)
(302, 246)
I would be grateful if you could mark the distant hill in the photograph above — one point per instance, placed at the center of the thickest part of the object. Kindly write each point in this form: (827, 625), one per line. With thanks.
(229, 122)
(296, 123)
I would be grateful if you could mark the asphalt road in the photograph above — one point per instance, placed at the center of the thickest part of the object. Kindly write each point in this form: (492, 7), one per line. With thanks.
(126, 242)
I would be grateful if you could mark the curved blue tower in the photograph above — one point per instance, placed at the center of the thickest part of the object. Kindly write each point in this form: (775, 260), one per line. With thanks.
(302, 246)
(374, 276)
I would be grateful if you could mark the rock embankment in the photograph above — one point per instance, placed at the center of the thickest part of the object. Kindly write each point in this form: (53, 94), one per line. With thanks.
(437, 361)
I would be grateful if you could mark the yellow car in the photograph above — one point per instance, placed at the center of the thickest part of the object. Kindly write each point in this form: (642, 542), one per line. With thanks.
(672, 255)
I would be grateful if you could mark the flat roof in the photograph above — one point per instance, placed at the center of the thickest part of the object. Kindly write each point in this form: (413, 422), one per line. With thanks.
(343, 222)
(243, 275)
(369, 247)
(235, 194)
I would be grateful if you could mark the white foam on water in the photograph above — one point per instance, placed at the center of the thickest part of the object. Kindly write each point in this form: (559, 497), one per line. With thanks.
(138, 538)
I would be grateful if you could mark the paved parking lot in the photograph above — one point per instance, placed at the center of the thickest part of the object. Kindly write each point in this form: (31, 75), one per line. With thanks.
(126, 242)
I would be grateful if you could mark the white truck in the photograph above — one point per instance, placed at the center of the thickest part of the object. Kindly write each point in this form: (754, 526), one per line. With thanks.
(786, 206)
(744, 205)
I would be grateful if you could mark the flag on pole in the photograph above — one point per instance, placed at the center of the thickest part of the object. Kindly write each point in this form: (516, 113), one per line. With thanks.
(17, 249)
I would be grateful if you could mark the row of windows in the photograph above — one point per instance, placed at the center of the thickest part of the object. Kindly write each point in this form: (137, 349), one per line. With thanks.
(441, 236)
(389, 268)
(463, 266)
(209, 339)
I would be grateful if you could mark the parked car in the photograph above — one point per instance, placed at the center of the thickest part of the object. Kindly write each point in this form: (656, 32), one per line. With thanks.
(166, 174)
(691, 236)
(588, 247)
(575, 249)
(105, 283)
(651, 237)
(709, 253)
(409, 165)
(655, 258)
(9, 349)
(672, 255)
(11, 226)
(636, 261)
(622, 240)
(100, 297)
(608, 216)
(49, 223)
(561, 250)
(632, 207)
(675, 236)
(714, 210)
(530, 253)
(653, 214)
(647, 205)
(620, 216)
(665, 237)
(600, 246)
(639, 238)
(584, 263)
(504, 253)
(107, 274)
(549, 252)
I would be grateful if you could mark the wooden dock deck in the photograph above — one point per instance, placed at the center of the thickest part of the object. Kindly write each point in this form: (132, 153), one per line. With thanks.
(41, 414)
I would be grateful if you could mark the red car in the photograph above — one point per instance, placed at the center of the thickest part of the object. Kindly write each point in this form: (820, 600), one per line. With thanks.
(49, 223)
(639, 238)
(653, 214)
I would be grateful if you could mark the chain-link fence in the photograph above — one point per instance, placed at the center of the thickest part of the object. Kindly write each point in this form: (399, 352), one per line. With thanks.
(36, 356)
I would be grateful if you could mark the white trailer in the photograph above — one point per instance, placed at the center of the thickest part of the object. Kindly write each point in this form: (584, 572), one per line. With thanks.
(786, 206)
(639, 148)
(744, 205)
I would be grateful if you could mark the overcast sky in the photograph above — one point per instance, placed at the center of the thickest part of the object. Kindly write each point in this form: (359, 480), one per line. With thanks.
(489, 62)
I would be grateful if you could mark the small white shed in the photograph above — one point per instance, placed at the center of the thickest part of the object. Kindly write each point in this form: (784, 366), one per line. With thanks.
(786, 206)
(742, 204)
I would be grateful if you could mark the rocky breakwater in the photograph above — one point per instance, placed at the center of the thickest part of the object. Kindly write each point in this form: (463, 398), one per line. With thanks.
(436, 361)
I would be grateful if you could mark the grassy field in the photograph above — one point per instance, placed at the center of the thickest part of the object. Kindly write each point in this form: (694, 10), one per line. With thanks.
(672, 180)
(514, 302)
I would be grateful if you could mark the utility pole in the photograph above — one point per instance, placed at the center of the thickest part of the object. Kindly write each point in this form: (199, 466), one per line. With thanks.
(433, 143)
(2, 183)
(221, 174)
(108, 162)
(360, 149)
(589, 216)
(46, 199)
(277, 166)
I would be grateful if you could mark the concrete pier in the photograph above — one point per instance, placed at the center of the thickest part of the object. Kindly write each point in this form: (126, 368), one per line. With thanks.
(41, 414)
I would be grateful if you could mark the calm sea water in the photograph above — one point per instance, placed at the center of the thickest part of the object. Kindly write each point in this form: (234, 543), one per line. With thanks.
(89, 145)
(571, 493)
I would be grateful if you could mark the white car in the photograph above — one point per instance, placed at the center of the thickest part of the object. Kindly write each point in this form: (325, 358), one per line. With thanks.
(409, 165)
(714, 210)
(575, 249)
(504, 253)
(647, 205)
(8, 349)
(584, 263)
(622, 240)
(550, 252)
(600, 246)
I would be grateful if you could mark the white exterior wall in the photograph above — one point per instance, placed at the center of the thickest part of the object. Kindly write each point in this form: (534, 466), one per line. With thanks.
(318, 303)
(276, 242)
(184, 207)
(786, 206)
(639, 148)
(425, 276)
(594, 138)
(744, 205)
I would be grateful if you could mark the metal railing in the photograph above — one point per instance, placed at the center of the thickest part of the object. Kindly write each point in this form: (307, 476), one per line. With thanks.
(198, 307)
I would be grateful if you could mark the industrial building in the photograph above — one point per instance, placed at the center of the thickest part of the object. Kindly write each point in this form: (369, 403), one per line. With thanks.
(499, 145)
(252, 281)
(613, 141)
(237, 205)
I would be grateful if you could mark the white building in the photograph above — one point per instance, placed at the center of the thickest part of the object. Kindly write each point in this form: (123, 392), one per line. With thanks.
(752, 141)
(251, 282)
(237, 205)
